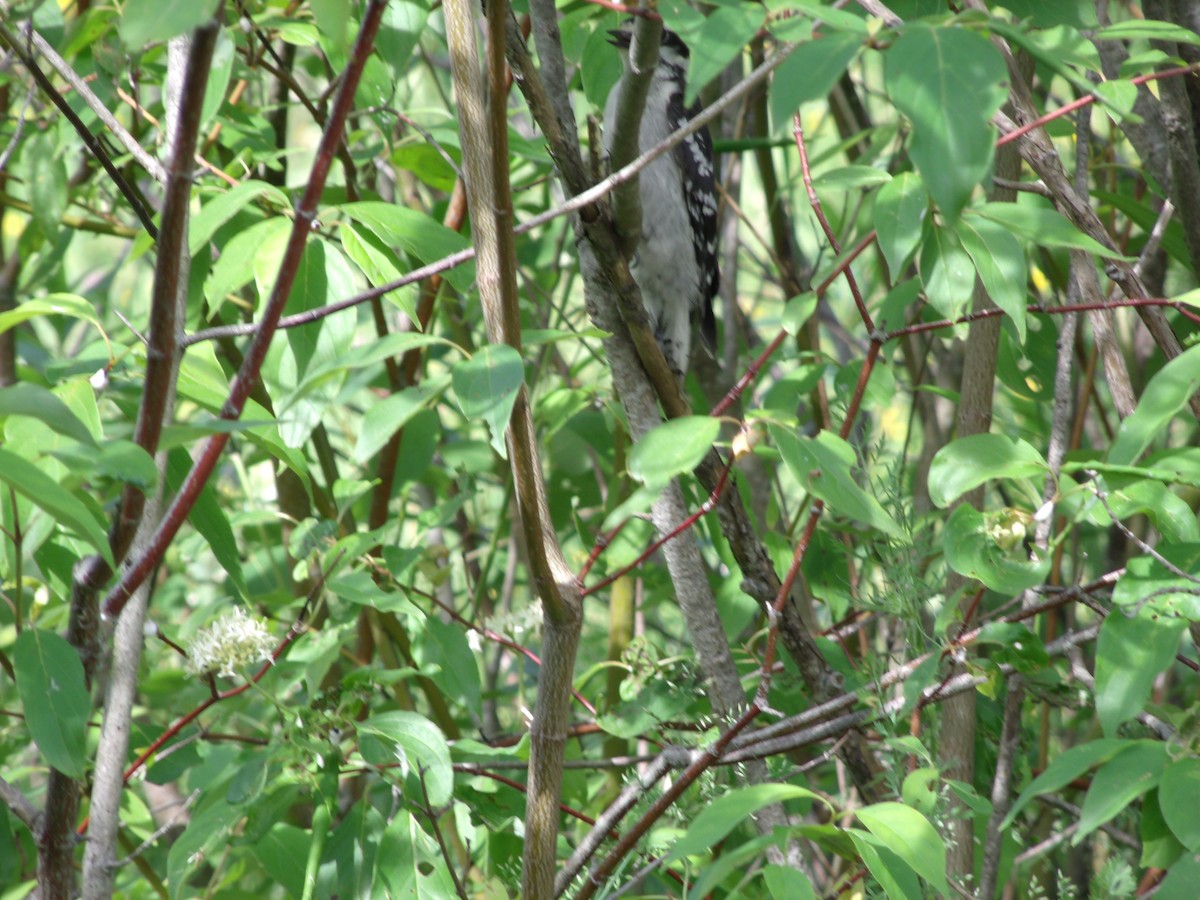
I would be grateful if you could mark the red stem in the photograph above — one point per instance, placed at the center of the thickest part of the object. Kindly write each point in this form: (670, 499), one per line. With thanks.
(247, 376)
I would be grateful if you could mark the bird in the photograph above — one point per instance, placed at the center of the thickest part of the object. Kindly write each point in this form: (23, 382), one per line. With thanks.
(675, 264)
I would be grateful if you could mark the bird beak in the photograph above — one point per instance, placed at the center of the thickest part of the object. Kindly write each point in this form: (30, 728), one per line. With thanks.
(619, 38)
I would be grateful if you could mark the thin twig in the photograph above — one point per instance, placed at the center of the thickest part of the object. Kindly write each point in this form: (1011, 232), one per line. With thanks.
(97, 106)
(132, 197)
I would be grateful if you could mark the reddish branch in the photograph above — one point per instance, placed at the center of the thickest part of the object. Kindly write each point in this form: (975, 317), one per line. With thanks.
(248, 375)
(1081, 102)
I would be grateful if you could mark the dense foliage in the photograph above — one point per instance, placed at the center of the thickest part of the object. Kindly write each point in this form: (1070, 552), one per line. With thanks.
(409, 593)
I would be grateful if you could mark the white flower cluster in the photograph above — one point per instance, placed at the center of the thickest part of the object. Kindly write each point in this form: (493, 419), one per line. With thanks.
(516, 622)
(232, 641)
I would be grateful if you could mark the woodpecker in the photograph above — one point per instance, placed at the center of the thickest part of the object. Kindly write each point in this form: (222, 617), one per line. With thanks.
(676, 261)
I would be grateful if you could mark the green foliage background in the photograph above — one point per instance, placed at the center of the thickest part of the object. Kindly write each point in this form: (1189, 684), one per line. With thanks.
(363, 511)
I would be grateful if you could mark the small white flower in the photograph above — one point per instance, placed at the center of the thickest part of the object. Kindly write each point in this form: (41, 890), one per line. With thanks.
(231, 642)
(474, 640)
(99, 379)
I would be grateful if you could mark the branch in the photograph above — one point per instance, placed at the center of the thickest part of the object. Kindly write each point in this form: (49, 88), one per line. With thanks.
(485, 162)
(148, 162)
(189, 63)
(21, 805)
(248, 374)
(1036, 149)
(622, 143)
(132, 197)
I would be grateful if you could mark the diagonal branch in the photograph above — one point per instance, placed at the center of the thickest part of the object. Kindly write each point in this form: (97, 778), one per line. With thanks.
(248, 374)
(96, 105)
(21, 48)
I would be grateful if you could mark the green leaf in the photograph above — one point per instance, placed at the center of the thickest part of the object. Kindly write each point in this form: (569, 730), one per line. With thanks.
(416, 233)
(910, 836)
(821, 12)
(208, 518)
(1064, 768)
(1118, 783)
(673, 448)
(235, 266)
(823, 466)
(1131, 652)
(1149, 586)
(34, 401)
(1000, 261)
(427, 163)
(719, 39)
(948, 82)
(901, 209)
(914, 686)
(218, 78)
(52, 305)
(401, 29)
(1019, 646)
(385, 418)
(1177, 793)
(786, 883)
(809, 74)
(446, 646)
(1148, 29)
(43, 491)
(395, 344)
(919, 790)
(966, 463)
(333, 17)
(223, 207)
(1166, 510)
(282, 852)
(414, 742)
(894, 875)
(54, 698)
(410, 863)
(1041, 225)
(1160, 847)
(946, 272)
(145, 21)
(486, 387)
(1118, 96)
(1181, 881)
(208, 828)
(126, 461)
(378, 263)
(731, 862)
(1166, 394)
(725, 813)
(47, 184)
(798, 311)
(851, 178)
(983, 548)
(309, 291)
(323, 274)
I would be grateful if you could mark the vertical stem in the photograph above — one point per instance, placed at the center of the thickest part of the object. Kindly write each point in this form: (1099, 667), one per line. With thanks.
(189, 61)
(957, 731)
